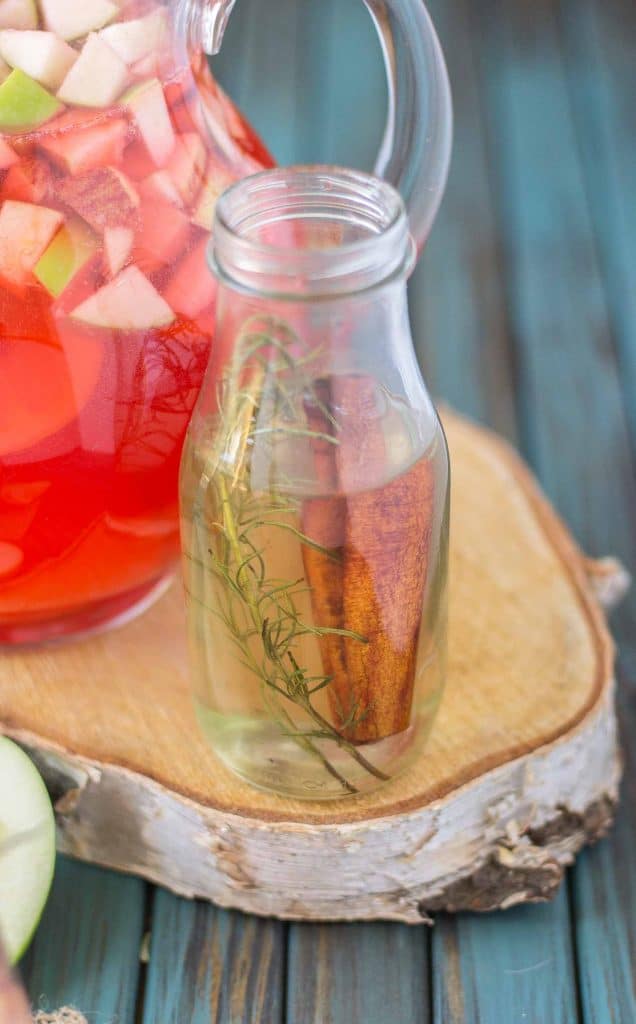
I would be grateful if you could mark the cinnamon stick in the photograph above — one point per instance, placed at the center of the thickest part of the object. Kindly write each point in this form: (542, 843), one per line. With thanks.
(383, 534)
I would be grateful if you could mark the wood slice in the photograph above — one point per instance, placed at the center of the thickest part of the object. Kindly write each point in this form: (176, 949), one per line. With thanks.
(521, 770)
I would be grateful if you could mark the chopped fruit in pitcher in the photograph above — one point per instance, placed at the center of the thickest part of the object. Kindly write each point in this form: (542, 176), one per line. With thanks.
(159, 187)
(162, 236)
(129, 303)
(147, 105)
(104, 197)
(79, 143)
(72, 19)
(118, 243)
(24, 103)
(41, 55)
(25, 232)
(97, 78)
(187, 165)
(139, 38)
(18, 14)
(192, 288)
(72, 247)
(108, 182)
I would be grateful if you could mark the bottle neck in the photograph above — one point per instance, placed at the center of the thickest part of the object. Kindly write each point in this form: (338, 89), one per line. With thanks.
(311, 233)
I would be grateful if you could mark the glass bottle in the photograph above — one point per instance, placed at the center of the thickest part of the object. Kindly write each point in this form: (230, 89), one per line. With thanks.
(314, 491)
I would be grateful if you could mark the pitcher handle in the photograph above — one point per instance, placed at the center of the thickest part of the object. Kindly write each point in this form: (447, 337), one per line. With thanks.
(416, 148)
(415, 151)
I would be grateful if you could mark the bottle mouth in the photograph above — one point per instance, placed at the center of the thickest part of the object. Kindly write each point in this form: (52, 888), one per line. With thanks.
(310, 232)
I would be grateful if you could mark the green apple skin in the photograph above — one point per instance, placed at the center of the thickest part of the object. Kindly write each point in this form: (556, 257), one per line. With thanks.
(26, 819)
(73, 245)
(24, 103)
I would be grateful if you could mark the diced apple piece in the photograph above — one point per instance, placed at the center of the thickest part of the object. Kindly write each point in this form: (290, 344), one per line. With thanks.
(187, 165)
(159, 187)
(148, 107)
(80, 144)
(193, 286)
(130, 302)
(25, 232)
(103, 197)
(162, 236)
(97, 78)
(216, 182)
(118, 243)
(8, 156)
(41, 55)
(18, 14)
(30, 181)
(24, 103)
(72, 247)
(72, 19)
(134, 40)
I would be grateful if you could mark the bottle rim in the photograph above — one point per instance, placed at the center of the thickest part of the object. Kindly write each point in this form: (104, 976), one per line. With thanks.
(362, 242)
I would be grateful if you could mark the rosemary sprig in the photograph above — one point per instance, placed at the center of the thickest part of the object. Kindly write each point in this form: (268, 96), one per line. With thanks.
(260, 614)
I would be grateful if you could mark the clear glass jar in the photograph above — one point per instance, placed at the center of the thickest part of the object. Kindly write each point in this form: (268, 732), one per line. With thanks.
(314, 490)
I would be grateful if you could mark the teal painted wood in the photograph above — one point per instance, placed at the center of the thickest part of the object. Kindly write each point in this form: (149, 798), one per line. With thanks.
(574, 420)
(358, 974)
(487, 969)
(86, 951)
(600, 41)
(210, 966)
(516, 968)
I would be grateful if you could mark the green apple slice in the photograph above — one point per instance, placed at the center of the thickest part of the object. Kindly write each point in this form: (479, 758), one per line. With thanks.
(24, 103)
(27, 848)
(72, 246)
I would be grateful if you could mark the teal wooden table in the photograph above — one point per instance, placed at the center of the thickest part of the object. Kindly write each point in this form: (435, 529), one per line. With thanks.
(524, 310)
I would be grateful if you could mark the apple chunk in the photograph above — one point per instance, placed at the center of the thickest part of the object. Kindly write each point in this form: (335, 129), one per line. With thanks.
(147, 104)
(118, 243)
(133, 40)
(187, 165)
(41, 55)
(8, 156)
(193, 287)
(80, 143)
(97, 78)
(18, 14)
(128, 303)
(25, 232)
(71, 248)
(72, 19)
(103, 197)
(24, 103)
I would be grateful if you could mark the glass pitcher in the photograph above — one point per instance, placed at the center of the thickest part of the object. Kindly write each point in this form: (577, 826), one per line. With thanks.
(115, 145)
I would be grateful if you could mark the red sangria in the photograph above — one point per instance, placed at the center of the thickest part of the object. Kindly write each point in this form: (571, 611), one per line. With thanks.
(115, 145)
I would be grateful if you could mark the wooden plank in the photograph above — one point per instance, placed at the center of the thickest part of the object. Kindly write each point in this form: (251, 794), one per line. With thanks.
(514, 968)
(210, 966)
(574, 422)
(600, 42)
(457, 301)
(341, 974)
(86, 951)
(496, 968)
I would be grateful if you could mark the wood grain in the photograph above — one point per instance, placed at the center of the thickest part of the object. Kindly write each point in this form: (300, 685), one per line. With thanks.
(371, 973)
(230, 967)
(86, 951)
(567, 311)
